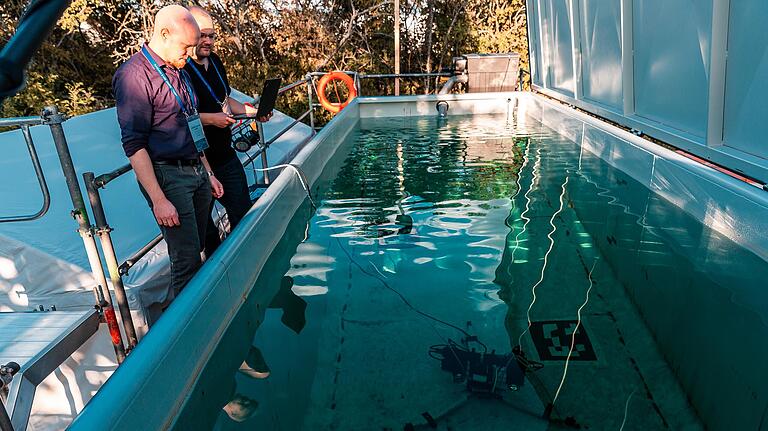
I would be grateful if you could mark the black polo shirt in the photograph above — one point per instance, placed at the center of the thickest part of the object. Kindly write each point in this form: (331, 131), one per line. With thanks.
(220, 148)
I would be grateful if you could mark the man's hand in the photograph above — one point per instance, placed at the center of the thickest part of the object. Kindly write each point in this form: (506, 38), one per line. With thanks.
(251, 110)
(165, 213)
(218, 119)
(217, 190)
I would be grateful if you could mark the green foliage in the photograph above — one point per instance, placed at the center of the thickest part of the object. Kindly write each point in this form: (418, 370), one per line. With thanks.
(72, 69)
(28, 102)
(74, 98)
(500, 26)
(260, 39)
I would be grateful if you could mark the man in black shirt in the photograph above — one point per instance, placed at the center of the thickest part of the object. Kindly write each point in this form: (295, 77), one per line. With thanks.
(162, 137)
(209, 79)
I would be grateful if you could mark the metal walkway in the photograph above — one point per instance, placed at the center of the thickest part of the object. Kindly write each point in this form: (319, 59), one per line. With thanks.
(39, 342)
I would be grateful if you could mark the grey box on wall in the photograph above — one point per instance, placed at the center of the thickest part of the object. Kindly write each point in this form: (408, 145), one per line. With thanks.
(492, 72)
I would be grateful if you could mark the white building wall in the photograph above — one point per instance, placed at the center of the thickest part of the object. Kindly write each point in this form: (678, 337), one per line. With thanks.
(693, 73)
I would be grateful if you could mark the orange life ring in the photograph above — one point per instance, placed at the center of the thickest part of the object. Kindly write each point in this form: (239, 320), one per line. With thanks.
(335, 76)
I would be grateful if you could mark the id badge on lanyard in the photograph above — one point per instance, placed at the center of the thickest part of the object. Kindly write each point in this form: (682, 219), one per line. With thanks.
(193, 118)
(196, 129)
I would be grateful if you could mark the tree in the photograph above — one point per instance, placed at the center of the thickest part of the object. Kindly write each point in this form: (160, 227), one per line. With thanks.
(289, 38)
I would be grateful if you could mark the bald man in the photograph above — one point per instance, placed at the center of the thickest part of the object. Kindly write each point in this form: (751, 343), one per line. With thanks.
(209, 78)
(163, 139)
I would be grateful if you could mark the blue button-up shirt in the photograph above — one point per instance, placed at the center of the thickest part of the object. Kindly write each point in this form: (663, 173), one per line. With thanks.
(148, 113)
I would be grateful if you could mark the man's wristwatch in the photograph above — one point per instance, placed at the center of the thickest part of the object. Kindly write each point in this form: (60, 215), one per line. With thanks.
(210, 174)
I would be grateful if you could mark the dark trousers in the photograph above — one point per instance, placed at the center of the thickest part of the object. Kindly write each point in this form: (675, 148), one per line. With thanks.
(189, 190)
(236, 200)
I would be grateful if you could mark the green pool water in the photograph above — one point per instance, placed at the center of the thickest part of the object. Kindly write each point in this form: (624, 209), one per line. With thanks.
(430, 230)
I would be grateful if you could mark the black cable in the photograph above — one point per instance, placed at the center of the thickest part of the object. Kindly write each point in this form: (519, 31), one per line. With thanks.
(383, 282)
(403, 298)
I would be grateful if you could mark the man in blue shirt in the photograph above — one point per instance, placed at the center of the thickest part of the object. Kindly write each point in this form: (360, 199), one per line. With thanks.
(209, 78)
(162, 137)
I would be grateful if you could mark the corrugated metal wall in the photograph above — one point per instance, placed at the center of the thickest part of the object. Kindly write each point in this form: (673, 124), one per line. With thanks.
(693, 73)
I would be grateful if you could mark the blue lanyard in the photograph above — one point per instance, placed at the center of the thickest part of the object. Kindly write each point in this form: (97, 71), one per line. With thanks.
(175, 93)
(210, 90)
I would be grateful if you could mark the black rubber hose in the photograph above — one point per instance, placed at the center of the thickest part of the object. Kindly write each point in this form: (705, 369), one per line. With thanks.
(34, 27)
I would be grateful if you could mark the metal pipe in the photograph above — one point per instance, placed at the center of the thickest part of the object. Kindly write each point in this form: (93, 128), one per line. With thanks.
(54, 119)
(289, 127)
(358, 87)
(108, 317)
(265, 166)
(308, 81)
(404, 75)
(20, 121)
(453, 80)
(107, 247)
(95, 199)
(290, 86)
(102, 180)
(40, 179)
(348, 72)
(257, 153)
(397, 46)
(442, 108)
(264, 162)
(128, 264)
(252, 157)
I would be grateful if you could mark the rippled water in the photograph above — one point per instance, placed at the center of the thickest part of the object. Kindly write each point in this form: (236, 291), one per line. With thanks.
(433, 230)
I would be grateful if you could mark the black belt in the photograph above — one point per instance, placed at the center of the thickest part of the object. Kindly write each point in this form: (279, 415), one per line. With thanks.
(178, 162)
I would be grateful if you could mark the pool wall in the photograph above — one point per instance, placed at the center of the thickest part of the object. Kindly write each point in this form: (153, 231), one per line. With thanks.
(149, 389)
(704, 300)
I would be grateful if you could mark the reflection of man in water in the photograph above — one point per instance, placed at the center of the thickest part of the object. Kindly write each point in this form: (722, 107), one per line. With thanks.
(225, 396)
(254, 364)
(293, 318)
(293, 306)
(240, 408)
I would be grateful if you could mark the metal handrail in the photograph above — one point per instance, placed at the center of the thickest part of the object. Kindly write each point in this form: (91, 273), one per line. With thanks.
(21, 121)
(291, 86)
(102, 230)
(348, 72)
(25, 123)
(102, 180)
(289, 127)
(264, 144)
(128, 264)
(53, 119)
(404, 75)
(359, 77)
